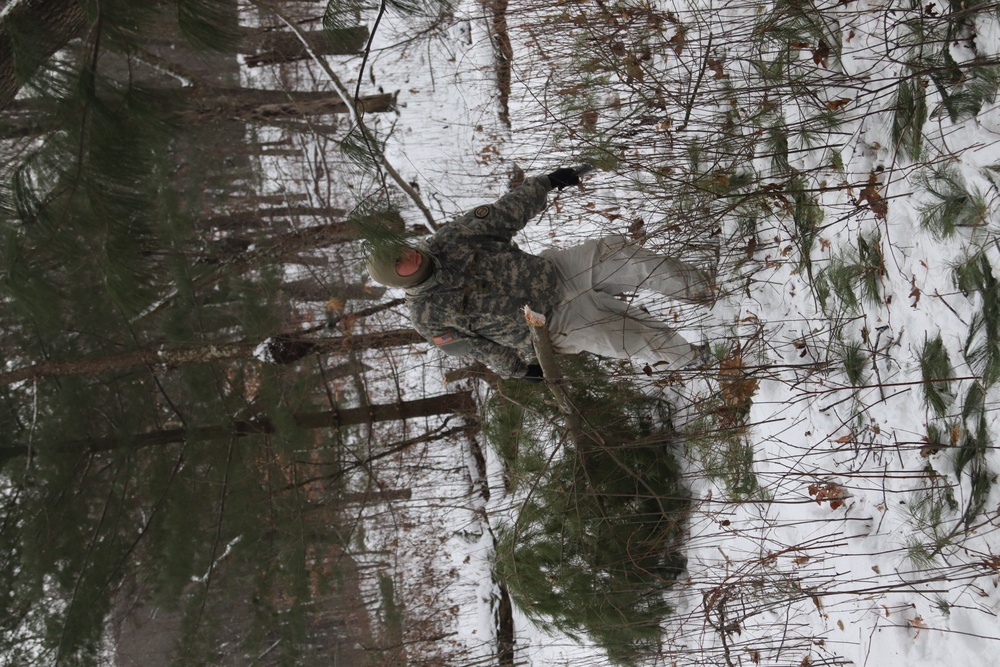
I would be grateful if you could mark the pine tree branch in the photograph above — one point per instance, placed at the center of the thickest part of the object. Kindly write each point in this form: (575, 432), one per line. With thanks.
(356, 112)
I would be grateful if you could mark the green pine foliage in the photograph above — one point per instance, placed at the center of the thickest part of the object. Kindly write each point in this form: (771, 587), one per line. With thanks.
(953, 204)
(982, 345)
(978, 87)
(726, 457)
(855, 275)
(932, 510)
(970, 460)
(595, 546)
(909, 117)
(855, 363)
(210, 24)
(964, 88)
(936, 371)
(101, 236)
(776, 145)
(970, 456)
(807, 217)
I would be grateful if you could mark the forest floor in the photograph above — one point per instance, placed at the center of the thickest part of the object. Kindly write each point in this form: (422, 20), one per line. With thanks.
(845, 154)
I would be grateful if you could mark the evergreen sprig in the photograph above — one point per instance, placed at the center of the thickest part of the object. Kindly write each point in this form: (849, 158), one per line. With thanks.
(935, 369)
(953, 204)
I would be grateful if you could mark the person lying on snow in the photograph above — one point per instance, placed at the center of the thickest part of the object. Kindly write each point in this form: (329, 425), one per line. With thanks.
(468, 284)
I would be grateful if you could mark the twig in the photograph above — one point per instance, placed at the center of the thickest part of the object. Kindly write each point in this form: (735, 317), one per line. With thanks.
(356, 113)
(697, 85)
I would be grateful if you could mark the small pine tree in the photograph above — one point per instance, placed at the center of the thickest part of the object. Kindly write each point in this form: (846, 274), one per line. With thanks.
(595, 546)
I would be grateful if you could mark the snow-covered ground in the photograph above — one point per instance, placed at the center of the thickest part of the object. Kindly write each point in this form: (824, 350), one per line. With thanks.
(839, 557)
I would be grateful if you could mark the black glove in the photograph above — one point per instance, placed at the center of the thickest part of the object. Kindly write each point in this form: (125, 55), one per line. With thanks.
(534, 373)
(561, 178)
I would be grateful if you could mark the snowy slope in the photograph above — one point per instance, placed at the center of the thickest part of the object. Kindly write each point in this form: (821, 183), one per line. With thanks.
(834, 560)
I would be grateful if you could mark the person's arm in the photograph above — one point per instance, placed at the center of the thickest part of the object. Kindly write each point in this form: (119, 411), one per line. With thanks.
(504, 360)
(509, 214)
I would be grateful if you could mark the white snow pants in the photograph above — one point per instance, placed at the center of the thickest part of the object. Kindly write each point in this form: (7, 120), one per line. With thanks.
(591, 319)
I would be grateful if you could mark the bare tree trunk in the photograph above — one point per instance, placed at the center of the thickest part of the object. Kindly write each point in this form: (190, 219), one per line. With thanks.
(286, 245)
(430, 406)
(280, 46)
(261, 106)
(202, 106)
(311, 289)
(283, 349)
(367, 498)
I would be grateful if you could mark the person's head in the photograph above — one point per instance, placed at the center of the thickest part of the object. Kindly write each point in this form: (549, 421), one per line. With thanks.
(404, 266)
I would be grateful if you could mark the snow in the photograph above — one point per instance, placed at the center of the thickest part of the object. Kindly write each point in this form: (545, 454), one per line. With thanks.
(811, 579)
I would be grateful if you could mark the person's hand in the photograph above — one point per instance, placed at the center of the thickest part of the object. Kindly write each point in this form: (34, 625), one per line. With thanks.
(534, 374)
(561, 178)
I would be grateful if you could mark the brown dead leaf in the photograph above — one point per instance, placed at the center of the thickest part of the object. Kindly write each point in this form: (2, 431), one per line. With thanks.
(830, 492)
(637, 229)
(915, 292)
(716, 65)
(821, 53)
(633, 69)
(993, 563)
(838, 104)
(774, 192)
(677, 41)
(870, 195)
(347, 323)
(335, 305)
(928, 449)
(737, 389)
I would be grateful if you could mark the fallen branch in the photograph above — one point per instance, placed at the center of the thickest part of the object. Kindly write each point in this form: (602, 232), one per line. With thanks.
(554, 380)
(356, 112)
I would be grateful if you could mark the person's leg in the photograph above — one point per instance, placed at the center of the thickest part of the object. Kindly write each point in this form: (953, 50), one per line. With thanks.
(593, 320)
(622, 266)
(596, 322)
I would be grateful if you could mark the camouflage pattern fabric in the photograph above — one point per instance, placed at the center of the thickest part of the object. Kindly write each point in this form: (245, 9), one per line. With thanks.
(473, 302)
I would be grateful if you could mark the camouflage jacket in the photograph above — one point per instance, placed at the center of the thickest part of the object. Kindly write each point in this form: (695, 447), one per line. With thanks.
(473, 303)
